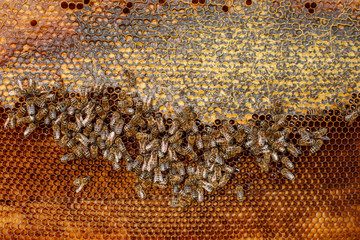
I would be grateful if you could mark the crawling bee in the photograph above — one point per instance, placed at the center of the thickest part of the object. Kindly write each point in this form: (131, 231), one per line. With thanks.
(100, 111)
(316, 147)
(140, 191)
(160, 123)
(320, 134)
(174, 138)
(31, 128)
(239, 190)
(305, 135)
(286, 173)
(174, 127)
(341, 106)
(232, 151)
(98, 125)
(68, 157)
(94, 151)
(287, 163)
(352, 116)
(293, 150)
(20, 112)
(80, 183)
(105, 103)
(10, 121)
(131, 77)
(57, 133)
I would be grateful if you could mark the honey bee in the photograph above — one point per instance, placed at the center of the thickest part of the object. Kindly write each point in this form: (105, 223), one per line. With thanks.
(239, 190)
(224, 132)
(191, 138)
(279, 146)
(164, 144)
(119, 126)
(174, 127)
(129, 130)
(158, 178)
(274, 156)
(209, 187)
(71, 143)
(309, 142)
(64, 140)
(74, 127)
(64, 127)
(98, 125)
(61, 106)
(114, 119)
(128, 111)
(352, 117)
(110, 139)
(89, 107)
(315, 112)
(286, 173)
(29, 129)
(152, 163)
(316, 147)
(174, 138)
(10, 121)
(319, 133)
(78, 151)
(137, 120)
(160, 123)
(200, 194)
(153, 145)
(277, 106)
(232, 151)
(293, 150)
(100, 111)
(93, 137)
(68, 157)
(47, 120)
(40, 103)
(224, 180)
(105, 103)
(30, 106)
(82, 139)
(266, 161)
(80, 183)
(305, 135)
(120, 144)
(50, 97)
(179, 167)
(60, 118)
(57, 133)
(261, 138)
(199, 142)
(86, 152)
(71, 110)
(87, 130)
(288, 164)
(277, 125)
(341, 106)
(131, 78)
(212, 132)
(20, 112)
(94, 151)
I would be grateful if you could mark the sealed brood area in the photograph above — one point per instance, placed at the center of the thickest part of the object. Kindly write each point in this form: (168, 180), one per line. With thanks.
(39, 199)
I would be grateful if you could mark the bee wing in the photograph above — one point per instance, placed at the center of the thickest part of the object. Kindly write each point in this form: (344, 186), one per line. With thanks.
(325, 138)
(79, 188)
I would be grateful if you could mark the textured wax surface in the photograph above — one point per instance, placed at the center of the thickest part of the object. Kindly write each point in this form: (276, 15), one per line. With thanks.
(226, 62)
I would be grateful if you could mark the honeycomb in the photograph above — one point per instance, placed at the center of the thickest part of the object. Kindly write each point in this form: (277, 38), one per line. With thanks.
(226, 59)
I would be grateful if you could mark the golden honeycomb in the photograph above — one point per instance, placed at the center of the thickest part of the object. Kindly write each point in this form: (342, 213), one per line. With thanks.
(228, 59)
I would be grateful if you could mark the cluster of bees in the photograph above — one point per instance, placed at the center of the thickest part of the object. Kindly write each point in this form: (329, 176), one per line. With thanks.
(179, 152)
